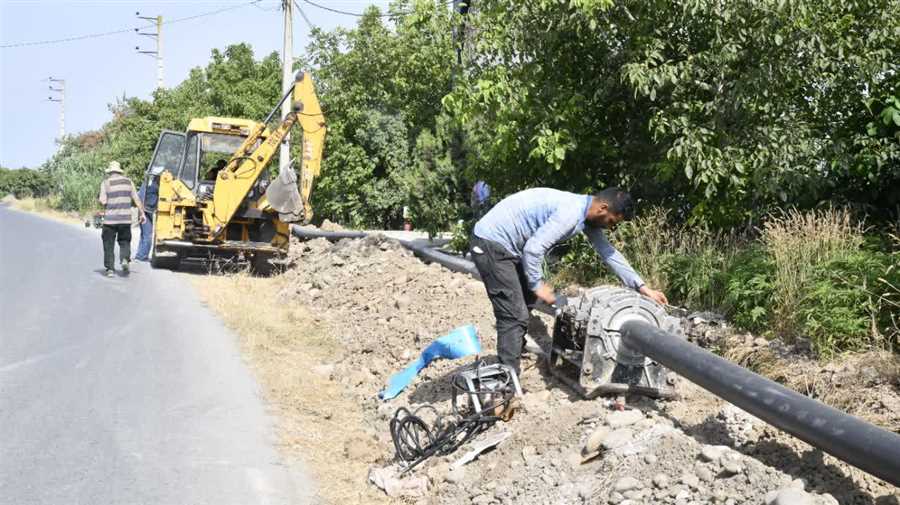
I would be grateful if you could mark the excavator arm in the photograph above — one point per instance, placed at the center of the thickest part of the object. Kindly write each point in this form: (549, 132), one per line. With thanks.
(234, 182)
(312, 121)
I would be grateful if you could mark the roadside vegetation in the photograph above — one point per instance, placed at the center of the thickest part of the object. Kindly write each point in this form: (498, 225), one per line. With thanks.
(762, 140)
(24, 183)
(285, 345)
(813, 275)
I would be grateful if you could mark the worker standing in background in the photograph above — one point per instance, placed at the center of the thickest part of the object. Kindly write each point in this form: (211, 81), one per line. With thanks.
(213, 173)
(117, 195)
(480, 199)
(509, 243)
(149, 195)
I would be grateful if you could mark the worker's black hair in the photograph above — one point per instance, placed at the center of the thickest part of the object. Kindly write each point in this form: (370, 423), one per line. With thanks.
(619, 201)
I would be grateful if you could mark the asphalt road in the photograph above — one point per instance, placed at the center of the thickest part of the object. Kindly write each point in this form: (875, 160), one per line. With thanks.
(122, 390)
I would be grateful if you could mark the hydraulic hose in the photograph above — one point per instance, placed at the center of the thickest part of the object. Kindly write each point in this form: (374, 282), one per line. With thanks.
(848, 438)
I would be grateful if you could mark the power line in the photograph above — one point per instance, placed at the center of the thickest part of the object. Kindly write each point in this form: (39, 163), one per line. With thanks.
(305, 18)
(224, 9)
(124, 30)
(355, 14)
(67, 39)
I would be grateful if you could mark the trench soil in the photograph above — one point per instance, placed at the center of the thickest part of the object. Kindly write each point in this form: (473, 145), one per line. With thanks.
(325, 335)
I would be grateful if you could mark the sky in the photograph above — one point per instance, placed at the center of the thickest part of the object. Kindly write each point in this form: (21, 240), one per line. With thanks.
(99, 70)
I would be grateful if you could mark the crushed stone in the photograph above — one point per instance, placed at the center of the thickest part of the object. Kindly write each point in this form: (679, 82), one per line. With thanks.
(384, 306)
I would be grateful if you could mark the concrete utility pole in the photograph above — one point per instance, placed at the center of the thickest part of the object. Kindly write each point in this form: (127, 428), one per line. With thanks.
(62, 105)
(158, 53)
(287, 80)
(462, 7)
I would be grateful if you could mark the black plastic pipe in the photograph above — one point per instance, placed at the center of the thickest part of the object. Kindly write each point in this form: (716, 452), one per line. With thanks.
(424, 249)
(330, 235)
(448, 261)
(848, 438)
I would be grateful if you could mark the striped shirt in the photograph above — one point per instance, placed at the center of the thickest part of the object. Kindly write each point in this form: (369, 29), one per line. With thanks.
(117, 194)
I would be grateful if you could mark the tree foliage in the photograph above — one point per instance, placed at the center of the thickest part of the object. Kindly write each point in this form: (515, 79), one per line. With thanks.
(381, 86)
(232, 84)
(24, 183)
(722, 110)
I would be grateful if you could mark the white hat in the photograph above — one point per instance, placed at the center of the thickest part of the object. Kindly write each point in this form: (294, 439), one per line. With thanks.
(114, 167)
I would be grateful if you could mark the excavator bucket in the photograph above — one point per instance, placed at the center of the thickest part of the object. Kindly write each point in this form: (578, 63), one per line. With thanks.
(284, 196)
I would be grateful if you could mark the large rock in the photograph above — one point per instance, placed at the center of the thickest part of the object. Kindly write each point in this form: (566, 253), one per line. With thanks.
(690, 480)
(661, 480)
(789, 496)
(455, 475)
(711, 453)
(595, 440)
(618, 438)
(394, 486)
(623, 418)
(732, 467)
(627, 484)
(705, 474)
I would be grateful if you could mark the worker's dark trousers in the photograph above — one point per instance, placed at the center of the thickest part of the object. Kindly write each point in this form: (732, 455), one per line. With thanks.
(110, 233)
(507, 288)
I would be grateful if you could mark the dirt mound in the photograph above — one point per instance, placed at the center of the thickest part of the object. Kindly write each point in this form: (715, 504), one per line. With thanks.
(383, 306)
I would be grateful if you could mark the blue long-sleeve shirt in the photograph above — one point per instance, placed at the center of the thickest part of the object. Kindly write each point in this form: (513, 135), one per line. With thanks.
(150, 195)
(530, 222)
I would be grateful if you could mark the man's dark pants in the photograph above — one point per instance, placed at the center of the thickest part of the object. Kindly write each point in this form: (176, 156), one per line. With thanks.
(111, 233)
(507, 288)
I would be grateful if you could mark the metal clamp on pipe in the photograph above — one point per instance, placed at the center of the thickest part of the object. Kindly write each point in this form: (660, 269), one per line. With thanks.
(848, 438)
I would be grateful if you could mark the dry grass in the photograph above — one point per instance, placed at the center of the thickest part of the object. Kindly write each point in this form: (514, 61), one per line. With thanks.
(648, 239)
(43, 206)
(891, 295)
(862, 384)
(284, 345)
(678, 258)
(798, 242)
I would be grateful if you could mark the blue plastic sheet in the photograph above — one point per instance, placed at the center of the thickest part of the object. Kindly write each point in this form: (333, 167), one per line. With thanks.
(459, 343)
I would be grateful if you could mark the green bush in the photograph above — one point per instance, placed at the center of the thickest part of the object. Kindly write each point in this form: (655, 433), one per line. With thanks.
(799, 243)
(24, 183)
(649, 242)
(459, 237)
(581, 265)
(842, 310)
(749, 289)
(432, 185)
(697, 279)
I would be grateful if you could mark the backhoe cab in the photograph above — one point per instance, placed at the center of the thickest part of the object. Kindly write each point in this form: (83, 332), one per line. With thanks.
(216, 198)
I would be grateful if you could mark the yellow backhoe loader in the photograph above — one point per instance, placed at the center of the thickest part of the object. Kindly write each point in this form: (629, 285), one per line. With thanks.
(216, 200)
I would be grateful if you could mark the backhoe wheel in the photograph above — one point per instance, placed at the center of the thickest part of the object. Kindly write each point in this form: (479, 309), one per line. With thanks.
(261, 266)
(156, 261)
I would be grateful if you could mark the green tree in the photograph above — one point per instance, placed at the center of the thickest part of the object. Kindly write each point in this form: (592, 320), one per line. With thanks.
(381, 86)
(720, 110)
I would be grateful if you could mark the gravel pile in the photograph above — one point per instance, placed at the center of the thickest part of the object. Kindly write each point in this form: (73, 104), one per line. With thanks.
(384, 306)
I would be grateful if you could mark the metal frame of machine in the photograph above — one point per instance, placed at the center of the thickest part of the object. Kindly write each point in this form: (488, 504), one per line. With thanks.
(588, 353)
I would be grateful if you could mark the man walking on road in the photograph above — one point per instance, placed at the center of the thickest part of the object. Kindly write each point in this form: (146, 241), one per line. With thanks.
(117, 195)
(509, 243)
